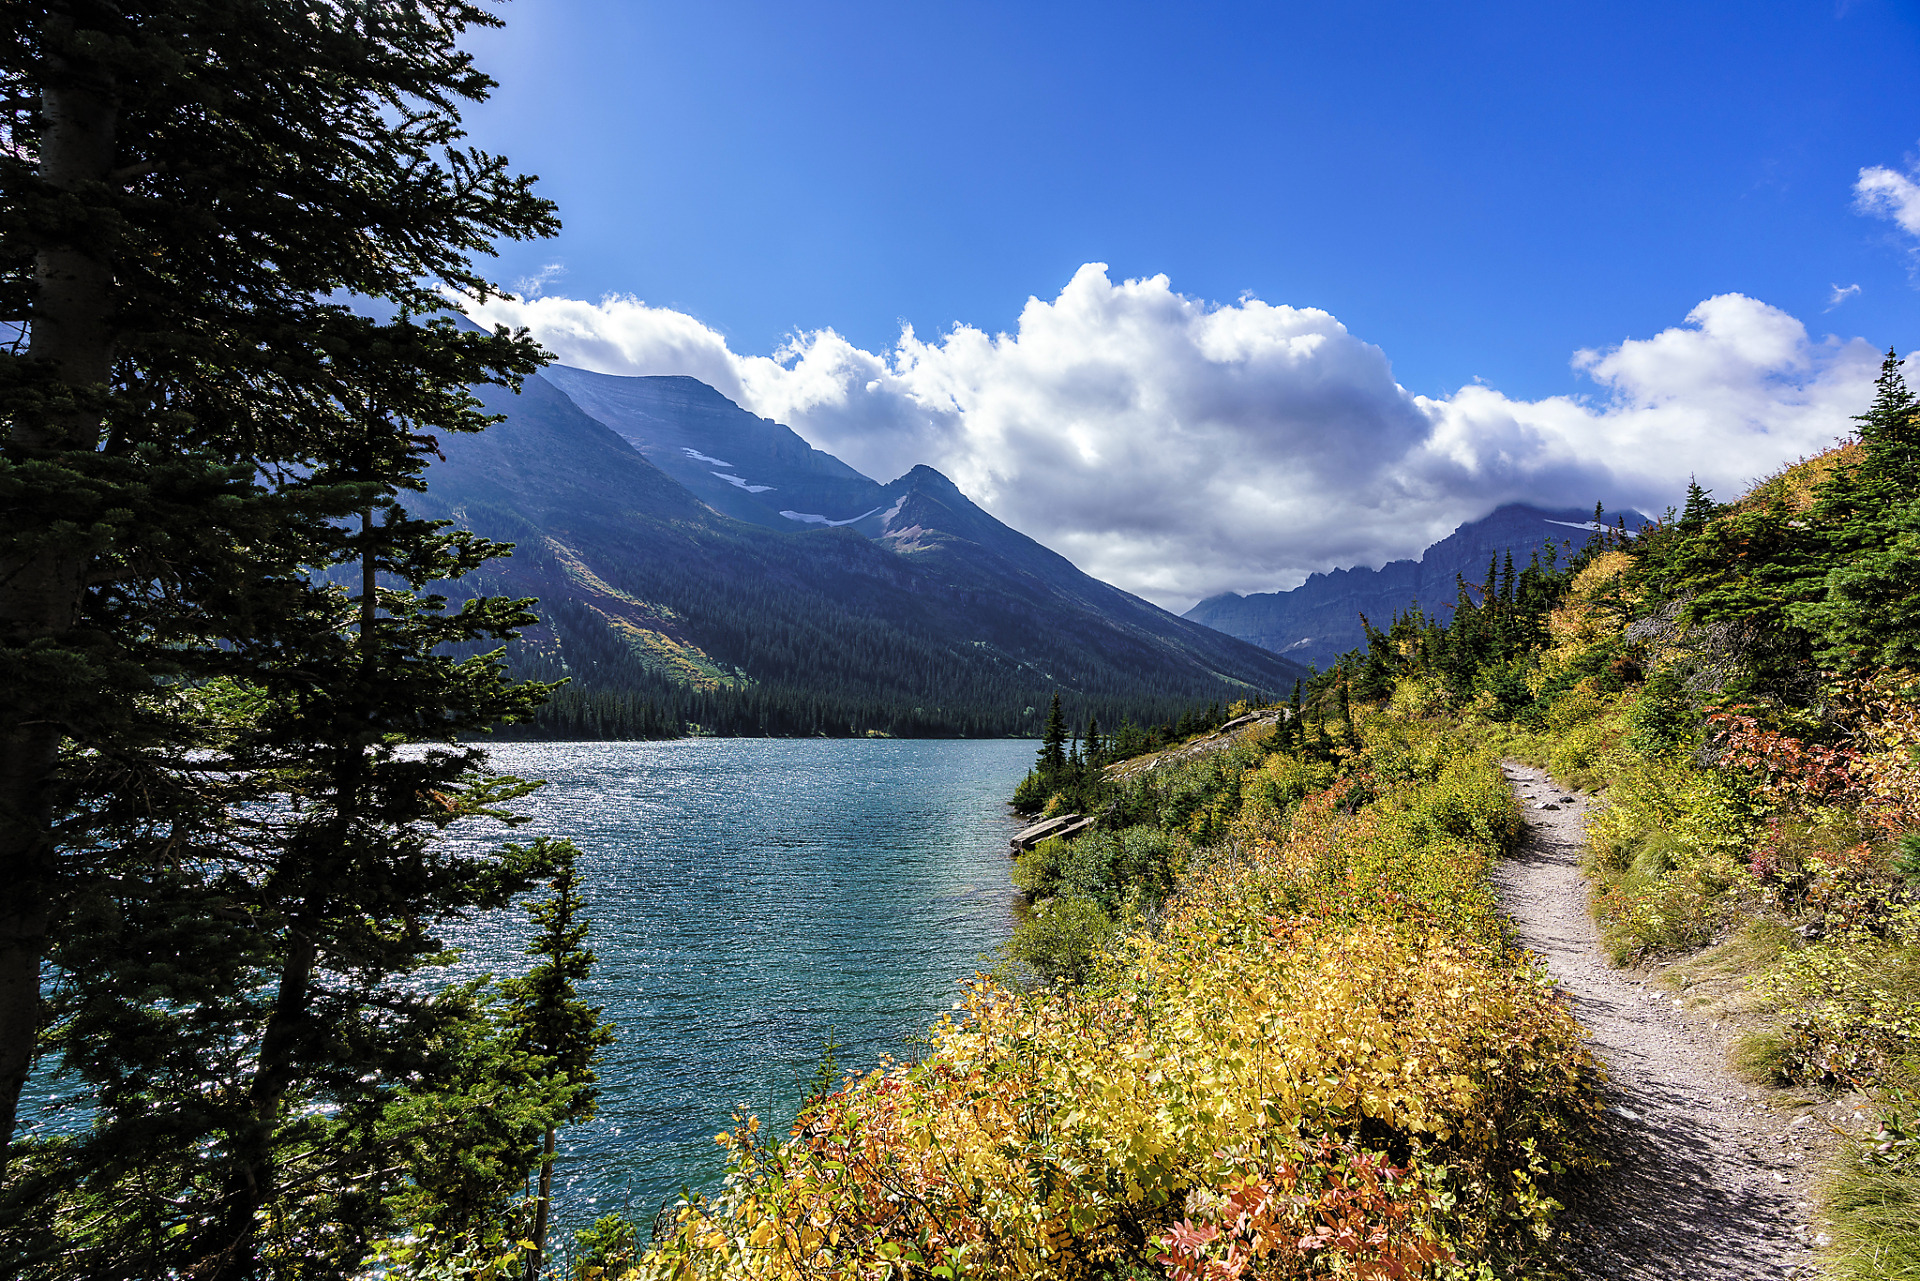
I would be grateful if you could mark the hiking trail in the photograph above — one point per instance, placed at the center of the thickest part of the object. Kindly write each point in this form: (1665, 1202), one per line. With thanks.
(1712, 1179)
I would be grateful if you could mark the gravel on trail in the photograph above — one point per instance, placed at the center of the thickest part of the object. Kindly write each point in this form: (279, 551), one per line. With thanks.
(1711, 1180)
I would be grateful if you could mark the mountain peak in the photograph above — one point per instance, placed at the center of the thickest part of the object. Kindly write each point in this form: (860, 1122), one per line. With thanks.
(921, 476)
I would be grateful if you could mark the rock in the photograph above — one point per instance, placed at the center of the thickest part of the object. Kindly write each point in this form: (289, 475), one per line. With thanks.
(1546, 805)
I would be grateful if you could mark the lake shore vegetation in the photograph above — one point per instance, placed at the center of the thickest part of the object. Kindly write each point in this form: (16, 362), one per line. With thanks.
(1302, 1048)
(1272, 1025)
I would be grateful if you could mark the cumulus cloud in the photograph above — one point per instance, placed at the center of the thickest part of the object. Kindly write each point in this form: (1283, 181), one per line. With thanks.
(1887, 193)
(1178, 448)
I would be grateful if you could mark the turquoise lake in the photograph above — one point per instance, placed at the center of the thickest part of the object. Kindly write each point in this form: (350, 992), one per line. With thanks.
(751, 897)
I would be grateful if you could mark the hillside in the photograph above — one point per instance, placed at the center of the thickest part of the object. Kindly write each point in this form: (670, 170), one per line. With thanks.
(662, 610)
(1319, 620)
(1283, 1014)
(750, 468)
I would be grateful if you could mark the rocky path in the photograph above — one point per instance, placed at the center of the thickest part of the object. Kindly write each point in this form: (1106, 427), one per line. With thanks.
(1711, 1181)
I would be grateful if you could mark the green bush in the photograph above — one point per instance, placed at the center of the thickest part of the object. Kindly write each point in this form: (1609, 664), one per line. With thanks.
(1036, 872)
(1662, 718)
(607, 1249)
(1134, 865)
(1471, 801)
(1060, 938)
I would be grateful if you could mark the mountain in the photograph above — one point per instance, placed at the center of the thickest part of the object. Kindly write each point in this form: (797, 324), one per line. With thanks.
(750, 468)
(1319, 620)
(662, 607)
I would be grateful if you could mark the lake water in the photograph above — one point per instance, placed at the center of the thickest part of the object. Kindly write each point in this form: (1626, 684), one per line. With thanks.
(751, 897)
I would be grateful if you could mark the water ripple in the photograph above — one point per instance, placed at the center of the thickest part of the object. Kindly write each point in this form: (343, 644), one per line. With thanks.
(748, 895)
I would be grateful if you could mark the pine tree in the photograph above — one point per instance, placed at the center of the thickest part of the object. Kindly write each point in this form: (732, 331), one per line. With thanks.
(555, 1024)
(1863, 610)
(287, 1036)
(192, 184)
(214, 635)
(1053, 743)
(1890, 433)
(1699, 509)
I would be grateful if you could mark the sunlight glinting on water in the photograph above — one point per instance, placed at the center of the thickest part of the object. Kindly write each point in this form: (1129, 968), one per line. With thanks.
(749, 897)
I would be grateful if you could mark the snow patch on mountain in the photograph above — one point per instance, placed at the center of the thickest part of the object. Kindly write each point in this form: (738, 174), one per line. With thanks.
(813, 518)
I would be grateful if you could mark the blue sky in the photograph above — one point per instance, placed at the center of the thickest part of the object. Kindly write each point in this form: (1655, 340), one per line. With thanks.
(1477, 191)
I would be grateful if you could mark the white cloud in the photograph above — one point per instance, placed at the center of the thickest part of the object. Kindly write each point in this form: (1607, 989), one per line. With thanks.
(1840, 294)
(536, 284)
(1887, 193)
(1179, 449)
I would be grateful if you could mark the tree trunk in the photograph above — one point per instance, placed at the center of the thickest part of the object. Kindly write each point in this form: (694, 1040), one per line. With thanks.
(42, 591)
(251, 1184)
(540, 1208)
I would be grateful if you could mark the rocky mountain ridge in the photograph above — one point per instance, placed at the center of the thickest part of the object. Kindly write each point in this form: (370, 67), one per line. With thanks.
(1319, 620)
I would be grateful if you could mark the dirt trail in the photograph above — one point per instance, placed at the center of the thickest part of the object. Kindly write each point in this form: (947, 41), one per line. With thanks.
(1710, 1181)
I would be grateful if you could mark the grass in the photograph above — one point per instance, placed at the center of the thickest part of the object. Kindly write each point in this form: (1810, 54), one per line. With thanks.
(1760, 1057)
(1874, 1210)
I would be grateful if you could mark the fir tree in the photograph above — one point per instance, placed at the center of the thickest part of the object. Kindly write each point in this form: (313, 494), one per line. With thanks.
(554, 1023)
(1699, 509)
(1053, 742)
(1860, 610)
(192, 184)
(1890, 433)
(214, 635)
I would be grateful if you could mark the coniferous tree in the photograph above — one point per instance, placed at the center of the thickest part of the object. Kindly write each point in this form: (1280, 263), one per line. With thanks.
(286, 1038)
(1699, 509)
(555, 1023)
(191, 185)
(213, 638)
(1864, 609)
(1053, 742)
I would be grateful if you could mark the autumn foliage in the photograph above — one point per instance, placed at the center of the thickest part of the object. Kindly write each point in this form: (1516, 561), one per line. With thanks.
(1322, 1060)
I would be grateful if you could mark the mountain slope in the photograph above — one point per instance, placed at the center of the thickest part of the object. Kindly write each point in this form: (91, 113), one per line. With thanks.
(749, 467)
(664, 610)
(1319, 620)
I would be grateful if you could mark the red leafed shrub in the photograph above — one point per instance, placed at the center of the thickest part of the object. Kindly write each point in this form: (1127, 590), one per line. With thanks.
(1789, 769)
(1338, 1211)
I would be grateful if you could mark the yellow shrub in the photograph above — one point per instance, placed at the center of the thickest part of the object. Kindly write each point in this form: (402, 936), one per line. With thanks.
(1344, 977)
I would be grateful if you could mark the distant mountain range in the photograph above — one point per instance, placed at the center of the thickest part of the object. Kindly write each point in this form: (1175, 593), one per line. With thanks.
(1319, 620)
(697, 564)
